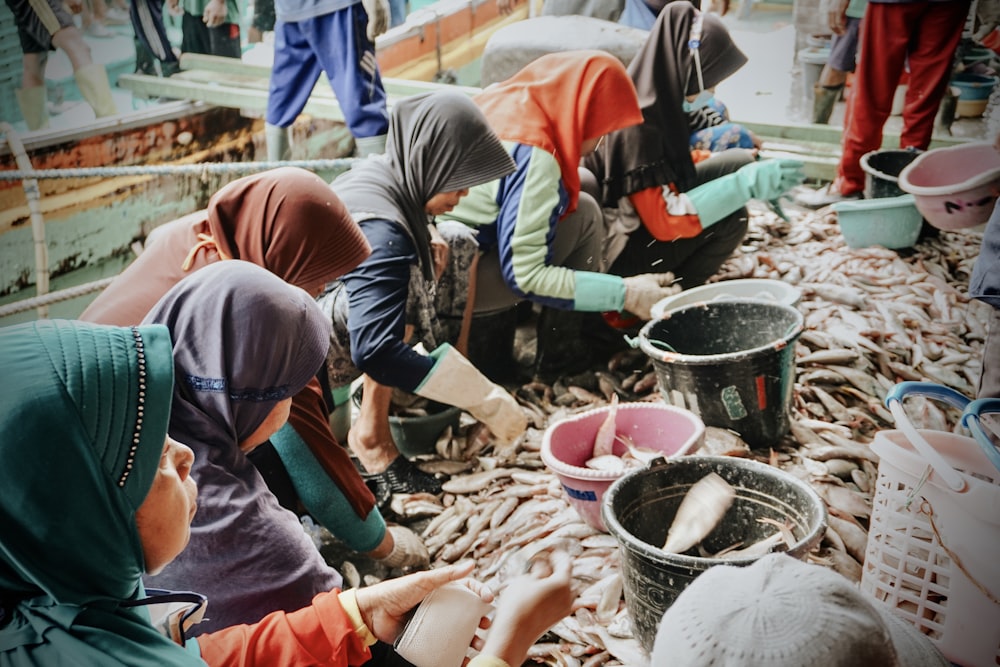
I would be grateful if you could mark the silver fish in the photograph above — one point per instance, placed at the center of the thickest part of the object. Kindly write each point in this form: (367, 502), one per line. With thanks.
(700, 511)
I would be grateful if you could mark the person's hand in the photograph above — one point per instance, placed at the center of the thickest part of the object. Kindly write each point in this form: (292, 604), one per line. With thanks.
(440, 251)
(456, 381)
(643, 291)
(720, 7)
(987, 19)
(502, 414)
(215, 14)
(837, 16)
(769, 179)
(988, 36)
(385, 606)
(379, 17)
(505, 7)
(529, 605)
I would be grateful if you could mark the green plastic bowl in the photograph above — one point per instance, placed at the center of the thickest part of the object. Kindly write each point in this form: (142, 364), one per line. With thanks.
(416, 436)
(893, 222)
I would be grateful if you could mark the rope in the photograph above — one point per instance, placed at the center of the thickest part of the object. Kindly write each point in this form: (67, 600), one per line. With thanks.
(34, 199)
(202, 169)
(27, 174)
(54, 297)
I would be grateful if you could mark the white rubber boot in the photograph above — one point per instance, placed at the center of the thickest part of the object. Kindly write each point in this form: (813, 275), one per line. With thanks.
(93, 83)
(279, 145)
(33, 109)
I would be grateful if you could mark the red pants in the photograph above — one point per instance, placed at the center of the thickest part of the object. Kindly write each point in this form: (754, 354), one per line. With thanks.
(923, 33)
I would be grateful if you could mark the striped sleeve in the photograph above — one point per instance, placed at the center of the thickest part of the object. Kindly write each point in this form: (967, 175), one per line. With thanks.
(532, 200)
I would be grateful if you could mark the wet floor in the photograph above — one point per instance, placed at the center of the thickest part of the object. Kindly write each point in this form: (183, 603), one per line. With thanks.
(770, 87)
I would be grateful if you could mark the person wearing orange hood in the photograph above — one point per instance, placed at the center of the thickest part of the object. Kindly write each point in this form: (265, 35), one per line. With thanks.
(541, 237)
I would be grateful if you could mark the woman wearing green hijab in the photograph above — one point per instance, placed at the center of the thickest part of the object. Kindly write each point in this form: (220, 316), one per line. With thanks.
(95, 493)
(83, 429)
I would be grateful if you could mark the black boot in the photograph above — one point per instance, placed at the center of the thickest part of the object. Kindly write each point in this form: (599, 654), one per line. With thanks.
(491, 344)
(561, 348)
(143, 58)
(824, 97)
(402, 476)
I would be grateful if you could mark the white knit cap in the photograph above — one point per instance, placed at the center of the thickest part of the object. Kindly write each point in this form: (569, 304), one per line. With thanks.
(782, 612)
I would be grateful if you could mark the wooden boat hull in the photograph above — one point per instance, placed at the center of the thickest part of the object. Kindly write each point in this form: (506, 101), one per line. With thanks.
(92, 220)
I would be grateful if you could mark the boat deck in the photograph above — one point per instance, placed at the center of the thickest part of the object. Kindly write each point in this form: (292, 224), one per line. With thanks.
(767, 92)
(767, 95)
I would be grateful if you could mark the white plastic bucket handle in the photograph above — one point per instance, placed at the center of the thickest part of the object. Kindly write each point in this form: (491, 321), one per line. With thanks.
(894, 401)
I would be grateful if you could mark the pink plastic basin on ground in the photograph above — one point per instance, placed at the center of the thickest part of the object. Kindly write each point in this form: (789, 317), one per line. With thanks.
(954, 187)
(568, 444)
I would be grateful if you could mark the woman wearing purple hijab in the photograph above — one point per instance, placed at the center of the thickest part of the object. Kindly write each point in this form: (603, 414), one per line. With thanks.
(244, 343)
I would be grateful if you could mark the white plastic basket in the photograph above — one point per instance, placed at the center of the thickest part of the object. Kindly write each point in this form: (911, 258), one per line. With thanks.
(933, 552)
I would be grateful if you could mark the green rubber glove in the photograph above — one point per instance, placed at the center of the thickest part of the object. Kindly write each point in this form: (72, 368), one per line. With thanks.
(321, 496)
(764, 180)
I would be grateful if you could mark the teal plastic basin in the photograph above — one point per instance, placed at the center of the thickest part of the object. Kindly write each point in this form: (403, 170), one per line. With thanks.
(973, 86)
(892, 222)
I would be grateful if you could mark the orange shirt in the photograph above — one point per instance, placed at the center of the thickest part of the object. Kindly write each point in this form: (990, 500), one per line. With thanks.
(667, 214)
(321, 634)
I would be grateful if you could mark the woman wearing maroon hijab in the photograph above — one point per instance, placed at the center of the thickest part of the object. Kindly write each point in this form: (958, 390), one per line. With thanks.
(291, 223)
(286, 220)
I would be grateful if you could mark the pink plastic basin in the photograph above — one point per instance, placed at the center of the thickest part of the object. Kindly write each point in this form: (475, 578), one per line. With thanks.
(568, 444)
(954, 187)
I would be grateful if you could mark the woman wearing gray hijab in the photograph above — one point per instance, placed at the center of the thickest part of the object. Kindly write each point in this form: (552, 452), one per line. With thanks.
(413, 288)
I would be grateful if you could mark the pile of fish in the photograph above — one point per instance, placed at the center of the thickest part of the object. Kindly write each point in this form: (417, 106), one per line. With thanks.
(873, 317)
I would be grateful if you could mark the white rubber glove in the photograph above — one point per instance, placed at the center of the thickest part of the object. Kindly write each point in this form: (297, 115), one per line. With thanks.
(378, 17)
(643, 291)
(455, 381)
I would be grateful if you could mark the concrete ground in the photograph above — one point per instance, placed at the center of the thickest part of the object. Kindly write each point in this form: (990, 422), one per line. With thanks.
(770, 87)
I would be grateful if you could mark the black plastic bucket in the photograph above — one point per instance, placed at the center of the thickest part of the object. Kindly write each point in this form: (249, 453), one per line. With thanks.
(882, 169)
(639, 508)
(732, 363)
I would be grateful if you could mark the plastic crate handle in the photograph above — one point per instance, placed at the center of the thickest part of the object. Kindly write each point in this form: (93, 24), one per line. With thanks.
(894, 401)
(971, 420)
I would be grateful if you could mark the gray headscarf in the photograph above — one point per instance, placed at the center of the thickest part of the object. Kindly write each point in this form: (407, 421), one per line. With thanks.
(438, 142)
